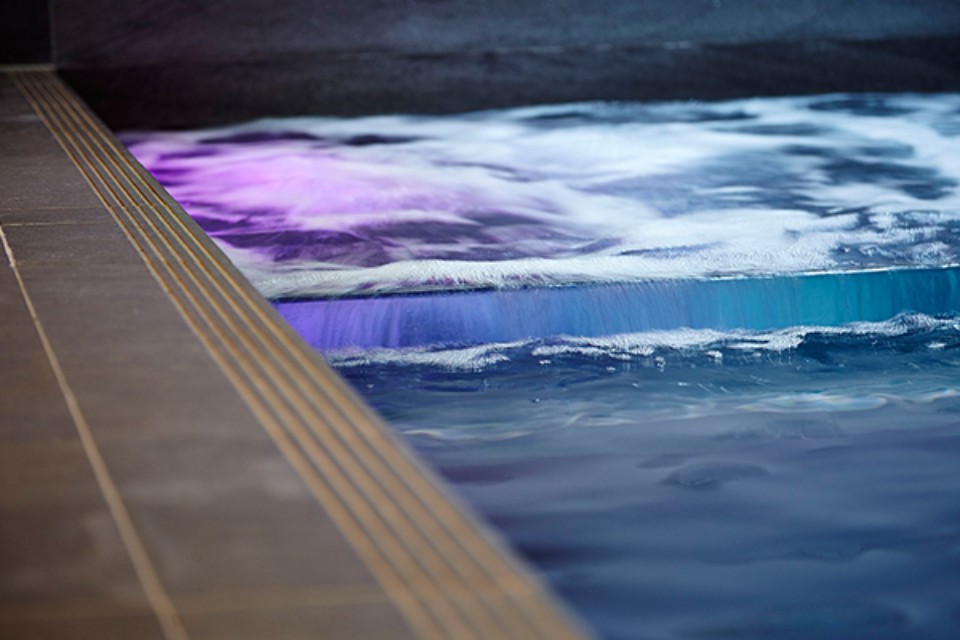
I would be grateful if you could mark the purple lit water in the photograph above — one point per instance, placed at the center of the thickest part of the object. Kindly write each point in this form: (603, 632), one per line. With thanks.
(574, 194)
(697, 362)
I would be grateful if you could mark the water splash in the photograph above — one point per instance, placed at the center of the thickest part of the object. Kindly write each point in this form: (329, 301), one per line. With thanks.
(585, 193)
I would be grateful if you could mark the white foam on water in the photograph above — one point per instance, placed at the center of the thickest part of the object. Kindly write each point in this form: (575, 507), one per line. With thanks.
(644, 345)
(466, 358)
(573, 193)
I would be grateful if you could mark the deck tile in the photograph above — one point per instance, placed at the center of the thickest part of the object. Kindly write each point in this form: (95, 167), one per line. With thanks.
(13, 106)
(45, 216)
(42, 183)
(353, 622)
(221, 513)
(142, 626)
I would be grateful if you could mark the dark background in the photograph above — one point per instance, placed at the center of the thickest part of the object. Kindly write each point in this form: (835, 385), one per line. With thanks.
(188, 62)
(24, 31)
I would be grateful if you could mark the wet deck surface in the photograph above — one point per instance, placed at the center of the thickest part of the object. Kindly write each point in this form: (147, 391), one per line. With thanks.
(174, 463)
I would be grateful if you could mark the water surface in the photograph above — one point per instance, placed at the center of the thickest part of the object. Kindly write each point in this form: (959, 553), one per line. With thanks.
(609, 192)
(698, 362)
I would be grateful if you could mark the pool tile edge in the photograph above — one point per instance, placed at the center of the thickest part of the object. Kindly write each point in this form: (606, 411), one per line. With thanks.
(445, 572)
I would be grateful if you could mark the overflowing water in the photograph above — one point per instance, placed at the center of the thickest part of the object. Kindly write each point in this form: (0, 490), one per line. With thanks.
(595, 311)
(697, 361)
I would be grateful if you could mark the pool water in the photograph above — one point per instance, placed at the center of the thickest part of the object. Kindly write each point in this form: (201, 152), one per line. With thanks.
(701, 485)
(698, 362)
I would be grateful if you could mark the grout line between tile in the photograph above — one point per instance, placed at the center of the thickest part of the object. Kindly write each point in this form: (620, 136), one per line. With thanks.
(59, 223)
(292, 598)
(199, 603)
(71, 609)
(65, 207)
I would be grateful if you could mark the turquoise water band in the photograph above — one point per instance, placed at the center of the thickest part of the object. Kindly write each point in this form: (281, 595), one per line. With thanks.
(721, 304)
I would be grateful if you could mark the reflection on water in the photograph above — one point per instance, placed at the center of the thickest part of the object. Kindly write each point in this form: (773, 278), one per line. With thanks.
(746, 426)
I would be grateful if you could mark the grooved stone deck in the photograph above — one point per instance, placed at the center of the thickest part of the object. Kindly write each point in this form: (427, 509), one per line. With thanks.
(174, 462)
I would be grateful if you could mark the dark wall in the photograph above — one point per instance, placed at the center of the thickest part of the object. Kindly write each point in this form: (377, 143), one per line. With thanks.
(149, 32)
(185, 62)
(24, 37)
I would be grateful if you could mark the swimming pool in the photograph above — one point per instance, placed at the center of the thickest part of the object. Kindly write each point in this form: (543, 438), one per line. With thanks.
(697, 361)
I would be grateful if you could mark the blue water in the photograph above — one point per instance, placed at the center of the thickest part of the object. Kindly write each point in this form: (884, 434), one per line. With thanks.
(697, 362)
(709, 485)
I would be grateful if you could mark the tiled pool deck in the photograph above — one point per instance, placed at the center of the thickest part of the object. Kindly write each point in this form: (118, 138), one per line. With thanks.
(174, 462)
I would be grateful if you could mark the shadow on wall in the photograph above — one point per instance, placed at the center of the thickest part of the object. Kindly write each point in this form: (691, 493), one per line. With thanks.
(180, 62)
(24, 32)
